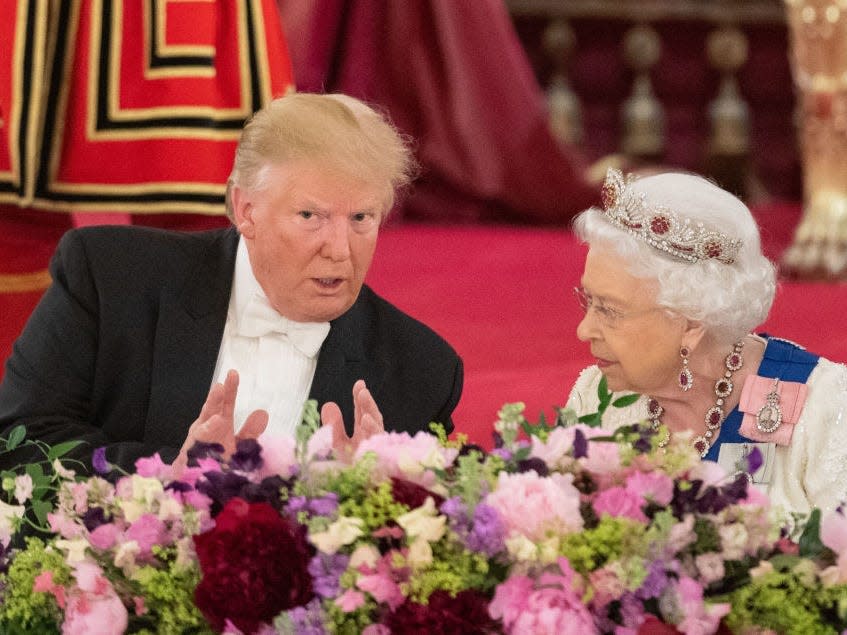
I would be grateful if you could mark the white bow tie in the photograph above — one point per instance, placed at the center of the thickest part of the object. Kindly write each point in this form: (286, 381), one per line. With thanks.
(260, 318)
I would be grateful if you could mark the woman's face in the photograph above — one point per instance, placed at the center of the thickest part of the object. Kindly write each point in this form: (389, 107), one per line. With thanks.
(635, 342)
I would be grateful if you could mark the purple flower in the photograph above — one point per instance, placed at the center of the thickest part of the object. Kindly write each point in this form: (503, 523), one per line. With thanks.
(534, 463)
(247, 456)
(222, 487)
(93, 518)
(580, 445)
(202, 450)
(308, 619)
(754, 460)
(488, 531)
(325, 505)
(655, 582)
(326, 571)
(503, 453)
(99, 462)
(455, 509)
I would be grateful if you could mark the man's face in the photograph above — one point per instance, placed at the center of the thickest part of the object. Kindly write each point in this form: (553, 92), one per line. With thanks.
(310, 236)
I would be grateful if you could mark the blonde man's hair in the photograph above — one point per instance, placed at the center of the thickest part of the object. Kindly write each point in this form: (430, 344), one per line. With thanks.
(341, 132)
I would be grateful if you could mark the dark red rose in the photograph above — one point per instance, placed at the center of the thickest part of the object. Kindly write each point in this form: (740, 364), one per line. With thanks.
(254, 564)
(652, 625)
(412, 494)
(465, 613)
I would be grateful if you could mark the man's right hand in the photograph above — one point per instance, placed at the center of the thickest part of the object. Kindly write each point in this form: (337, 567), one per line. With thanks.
(216, 423)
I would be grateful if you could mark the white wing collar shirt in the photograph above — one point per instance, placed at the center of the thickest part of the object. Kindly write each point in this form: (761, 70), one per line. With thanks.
(275, 357)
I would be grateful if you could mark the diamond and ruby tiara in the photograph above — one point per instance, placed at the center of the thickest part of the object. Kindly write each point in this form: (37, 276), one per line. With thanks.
(660, 227)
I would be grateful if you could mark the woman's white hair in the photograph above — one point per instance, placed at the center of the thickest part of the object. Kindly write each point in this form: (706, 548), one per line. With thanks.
(728, 299)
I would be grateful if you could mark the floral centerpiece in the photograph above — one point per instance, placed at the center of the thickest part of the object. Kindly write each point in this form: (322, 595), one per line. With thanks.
(566, 529)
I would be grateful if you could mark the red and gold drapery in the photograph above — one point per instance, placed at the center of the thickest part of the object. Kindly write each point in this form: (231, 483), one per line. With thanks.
(131, 106)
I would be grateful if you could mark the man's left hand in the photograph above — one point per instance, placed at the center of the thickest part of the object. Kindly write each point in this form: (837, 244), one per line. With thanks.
(367, 421)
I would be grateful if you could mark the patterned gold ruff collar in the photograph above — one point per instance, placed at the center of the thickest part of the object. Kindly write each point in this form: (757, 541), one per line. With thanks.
(661, 227)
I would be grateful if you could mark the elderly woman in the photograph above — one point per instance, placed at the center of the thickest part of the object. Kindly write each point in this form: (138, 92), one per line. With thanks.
(674, 283)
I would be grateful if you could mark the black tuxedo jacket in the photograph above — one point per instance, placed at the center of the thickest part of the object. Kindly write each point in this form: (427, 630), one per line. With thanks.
(122, 347)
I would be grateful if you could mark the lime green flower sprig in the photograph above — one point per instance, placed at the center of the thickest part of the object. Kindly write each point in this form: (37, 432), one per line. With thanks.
(34, 484)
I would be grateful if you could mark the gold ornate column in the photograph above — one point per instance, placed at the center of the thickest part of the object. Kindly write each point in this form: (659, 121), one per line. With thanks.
(818, 36)
(643, 115)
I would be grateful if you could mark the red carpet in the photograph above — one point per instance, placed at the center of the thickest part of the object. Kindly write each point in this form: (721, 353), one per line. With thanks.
(501, 295)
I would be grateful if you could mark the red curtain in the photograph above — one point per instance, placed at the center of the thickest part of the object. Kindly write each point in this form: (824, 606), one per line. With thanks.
(455, 77)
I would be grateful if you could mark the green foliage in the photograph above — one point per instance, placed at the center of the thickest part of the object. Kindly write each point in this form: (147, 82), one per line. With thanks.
(169, 599)
(376, 508)
(452, 569)
(44, 478)
(592, 548)
(810, 540)
(708, 538)
(783, 602)
(21, 609)
(604, 396)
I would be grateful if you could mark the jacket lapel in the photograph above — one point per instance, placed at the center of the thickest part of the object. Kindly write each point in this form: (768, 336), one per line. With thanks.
(345, 358)
(188, 336)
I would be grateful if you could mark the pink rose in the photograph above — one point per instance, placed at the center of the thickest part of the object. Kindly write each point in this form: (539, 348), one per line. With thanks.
(383, 589)
(89, 614)
(147, 531)
(350, 600)
(532, 506)
(153, 467)
(93, 608)
(510, 599)
(549, 606)
(619, 502)
(64, 526)
(603, 457)
(654, 486)
(607, 586)
(104, 536)
(278, 456)
(700, 618)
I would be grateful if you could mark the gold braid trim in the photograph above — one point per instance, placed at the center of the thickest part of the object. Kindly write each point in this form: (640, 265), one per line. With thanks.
(24, 282)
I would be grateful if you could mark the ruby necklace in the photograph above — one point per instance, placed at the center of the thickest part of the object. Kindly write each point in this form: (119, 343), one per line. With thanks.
(715, 415)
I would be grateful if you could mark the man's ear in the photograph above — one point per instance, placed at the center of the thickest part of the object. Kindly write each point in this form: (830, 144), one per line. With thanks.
(242, 210)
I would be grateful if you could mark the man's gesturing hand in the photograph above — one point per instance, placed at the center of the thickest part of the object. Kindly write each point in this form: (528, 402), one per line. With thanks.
(216, 423)
(367, 421)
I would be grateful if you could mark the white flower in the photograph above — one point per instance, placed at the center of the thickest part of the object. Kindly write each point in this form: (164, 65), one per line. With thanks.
(133, 510)
(74, 549)
(763, 568)
(521, 548)
(734, 539)
(710, 567)
(10, 515)
(62, 471)
(23, 488)
(548, 550)
(170, 509)
(125, 556)
(146, 489)
(367, 555)
(419, 555)
(424, 522)
(342, 532)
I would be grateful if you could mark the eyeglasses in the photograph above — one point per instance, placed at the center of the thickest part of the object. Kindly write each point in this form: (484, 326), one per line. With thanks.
(605, 314)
